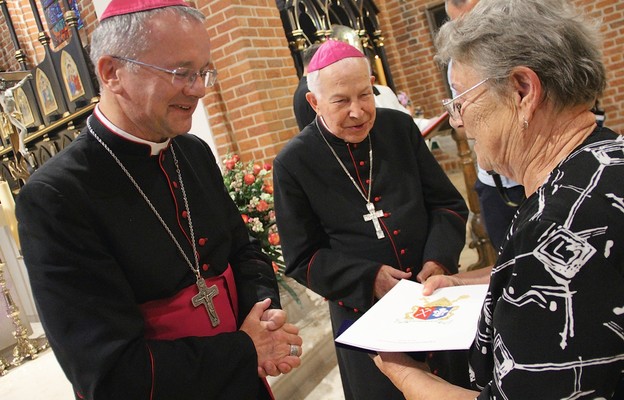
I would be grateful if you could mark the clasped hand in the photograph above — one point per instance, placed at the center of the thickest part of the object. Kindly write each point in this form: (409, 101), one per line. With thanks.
(273, 338)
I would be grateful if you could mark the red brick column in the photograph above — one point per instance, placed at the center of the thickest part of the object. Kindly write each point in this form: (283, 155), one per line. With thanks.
(250, 109)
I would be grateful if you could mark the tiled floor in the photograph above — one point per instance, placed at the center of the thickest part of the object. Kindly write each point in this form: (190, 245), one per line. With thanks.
(42, 378)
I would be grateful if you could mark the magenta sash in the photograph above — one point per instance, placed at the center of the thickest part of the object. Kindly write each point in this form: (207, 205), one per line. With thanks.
(176, 317)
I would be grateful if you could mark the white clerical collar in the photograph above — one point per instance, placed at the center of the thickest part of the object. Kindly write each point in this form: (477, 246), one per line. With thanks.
(325, 125)
(156, 148)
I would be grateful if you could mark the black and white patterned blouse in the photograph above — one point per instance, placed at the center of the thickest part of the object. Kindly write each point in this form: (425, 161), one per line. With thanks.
(552, 326)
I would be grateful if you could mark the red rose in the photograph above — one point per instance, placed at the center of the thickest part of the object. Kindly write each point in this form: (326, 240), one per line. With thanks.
(268, 189)
(267, 167)
(236, 158)
(262, 206)
(249, 179)
(274, 239)
(229, 164)
(245, 218)
(256, 169)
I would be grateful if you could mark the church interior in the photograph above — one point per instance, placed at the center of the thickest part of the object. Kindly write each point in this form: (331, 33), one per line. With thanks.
(257, 48)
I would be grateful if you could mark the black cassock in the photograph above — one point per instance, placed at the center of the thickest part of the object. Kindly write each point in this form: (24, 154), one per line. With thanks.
(331, 249)
(95, 251)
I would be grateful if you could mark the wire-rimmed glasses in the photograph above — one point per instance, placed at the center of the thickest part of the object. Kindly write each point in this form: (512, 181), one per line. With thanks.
(180, 75)
(453, 108)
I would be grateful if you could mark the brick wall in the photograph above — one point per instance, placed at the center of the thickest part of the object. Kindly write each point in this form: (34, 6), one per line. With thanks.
(251, 106)
(611, 12)
(410, 52)
(7, 52)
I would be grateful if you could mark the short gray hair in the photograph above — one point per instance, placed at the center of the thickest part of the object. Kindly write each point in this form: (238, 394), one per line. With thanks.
(314, 81)
(548, 36)
(128, 35)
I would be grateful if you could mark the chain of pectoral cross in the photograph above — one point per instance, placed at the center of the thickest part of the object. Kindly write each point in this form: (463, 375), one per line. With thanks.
(373, 215)
(205, 294)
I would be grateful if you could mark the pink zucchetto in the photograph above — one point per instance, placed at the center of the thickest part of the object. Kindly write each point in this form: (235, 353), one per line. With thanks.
(121, 7)
(330, 52)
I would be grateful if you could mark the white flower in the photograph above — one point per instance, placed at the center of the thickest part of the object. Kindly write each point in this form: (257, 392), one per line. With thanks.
(255, 224)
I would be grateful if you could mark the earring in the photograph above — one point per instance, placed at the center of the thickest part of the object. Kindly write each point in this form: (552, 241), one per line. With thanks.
(525, 123)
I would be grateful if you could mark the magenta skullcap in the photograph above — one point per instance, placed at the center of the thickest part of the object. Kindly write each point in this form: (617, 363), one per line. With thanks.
(330, 52)
(121, 7)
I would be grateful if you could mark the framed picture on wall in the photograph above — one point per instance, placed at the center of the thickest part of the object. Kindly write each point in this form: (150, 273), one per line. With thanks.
(71, 78)
(45, 93)
(24, 106)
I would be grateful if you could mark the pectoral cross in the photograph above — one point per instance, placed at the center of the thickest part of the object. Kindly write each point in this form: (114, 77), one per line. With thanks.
(205, 296)
(374, 216)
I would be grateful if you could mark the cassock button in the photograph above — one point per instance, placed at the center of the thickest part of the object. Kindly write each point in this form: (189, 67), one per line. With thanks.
(175, 184)
(362, 163)
(430, 355)
(201, 241)
(340, 303)
(184, 214)
(355, 310)
(408, 270)
(377, 198)
(402, 251)
(435, 371)
(396, 232)
(367, 181)
(205, 267)
(387, 214)
(355, 145)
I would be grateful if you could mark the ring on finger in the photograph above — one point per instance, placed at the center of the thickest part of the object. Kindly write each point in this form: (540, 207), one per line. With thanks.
(294, 350)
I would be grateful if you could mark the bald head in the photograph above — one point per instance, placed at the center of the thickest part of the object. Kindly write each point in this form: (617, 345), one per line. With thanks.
(457, 8)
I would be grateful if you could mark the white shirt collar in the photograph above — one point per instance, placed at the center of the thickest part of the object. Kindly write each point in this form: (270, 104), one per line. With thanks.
(156, 148)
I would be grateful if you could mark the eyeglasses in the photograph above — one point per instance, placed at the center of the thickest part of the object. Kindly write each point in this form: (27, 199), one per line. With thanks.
(180, 75)
(453, 108)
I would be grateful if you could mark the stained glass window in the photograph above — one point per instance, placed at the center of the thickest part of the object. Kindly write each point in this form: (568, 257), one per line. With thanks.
(53, 11)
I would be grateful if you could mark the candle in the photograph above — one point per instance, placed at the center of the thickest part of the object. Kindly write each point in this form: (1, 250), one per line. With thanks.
(8, 210)
(381, 75)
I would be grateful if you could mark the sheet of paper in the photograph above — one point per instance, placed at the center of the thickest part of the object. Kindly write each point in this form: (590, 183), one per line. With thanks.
(405, 320)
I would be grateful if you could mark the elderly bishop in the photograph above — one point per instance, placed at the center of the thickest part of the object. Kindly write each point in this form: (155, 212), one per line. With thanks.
(361, 203)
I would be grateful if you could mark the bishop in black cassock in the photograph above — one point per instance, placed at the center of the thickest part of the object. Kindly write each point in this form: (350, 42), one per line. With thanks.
(141, 267)
(98, 259)
(331, 249)
(358, 196)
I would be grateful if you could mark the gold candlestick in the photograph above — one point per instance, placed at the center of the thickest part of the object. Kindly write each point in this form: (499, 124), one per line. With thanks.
(25, 347)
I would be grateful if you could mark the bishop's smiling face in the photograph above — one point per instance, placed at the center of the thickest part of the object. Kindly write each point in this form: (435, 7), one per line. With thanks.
(345, 99)
(152, 107)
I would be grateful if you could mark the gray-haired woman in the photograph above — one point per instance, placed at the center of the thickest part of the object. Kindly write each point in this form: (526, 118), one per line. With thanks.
(552, 325)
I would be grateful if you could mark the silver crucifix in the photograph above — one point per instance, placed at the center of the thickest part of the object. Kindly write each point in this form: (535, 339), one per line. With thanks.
(205, 296)
(374, 216)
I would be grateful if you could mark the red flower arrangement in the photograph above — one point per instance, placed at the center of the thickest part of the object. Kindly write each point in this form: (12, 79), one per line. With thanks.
(247, 186)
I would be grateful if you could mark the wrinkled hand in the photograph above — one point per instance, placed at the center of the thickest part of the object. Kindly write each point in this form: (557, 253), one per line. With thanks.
(440, 281)
(387, 278)
(398, 367)
(272, 337)
(276, 319)
(430, 268)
